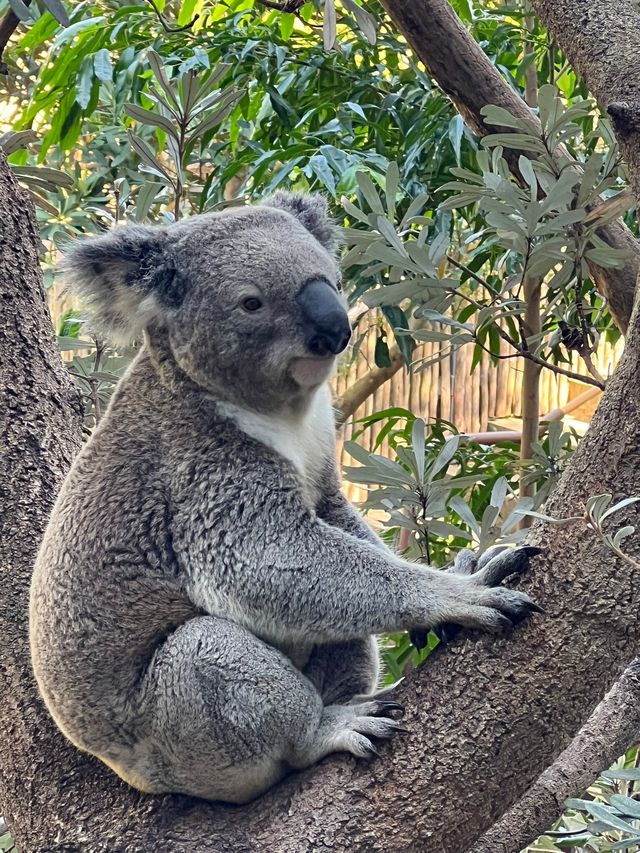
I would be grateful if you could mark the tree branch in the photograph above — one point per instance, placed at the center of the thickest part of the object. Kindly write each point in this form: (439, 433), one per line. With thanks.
(468, 77)
(8, 25)
(167, 27)
(613, 727)
(521, 351)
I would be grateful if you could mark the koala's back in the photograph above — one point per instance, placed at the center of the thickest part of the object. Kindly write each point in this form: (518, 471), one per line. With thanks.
(108, 586)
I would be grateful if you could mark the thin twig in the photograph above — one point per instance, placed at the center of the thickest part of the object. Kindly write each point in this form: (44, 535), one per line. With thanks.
(470, 272)
(284, 5)
(524, 352)
(165, 25)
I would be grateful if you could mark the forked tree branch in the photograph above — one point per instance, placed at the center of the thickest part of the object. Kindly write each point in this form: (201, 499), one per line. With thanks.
(613, 727)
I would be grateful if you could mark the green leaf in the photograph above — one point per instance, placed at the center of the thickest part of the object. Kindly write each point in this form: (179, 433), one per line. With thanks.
(151, 119)
(392, 182)
(627, 774)
(381, 353)
(321, 169)
(443, 458)
(626, 844)
(356, 108)
(499, 116)
(414, 208)
(499, 492)
(69, 33)
(282, 109)
(57, 10)
(521, 141)
(187, 12)
(20, 10)
(54, 176)
(329, 24)
(526, 170)
(365, 21)
(618, 506)
(146, 155)
(605, 816)
(368, 190)
(397, 319)
(418, 444)
(146, 196)
(85, 82)
(102, 65)
(445, 530)
(455, 131)
(159, 73)
(389, 232)
(626, 805)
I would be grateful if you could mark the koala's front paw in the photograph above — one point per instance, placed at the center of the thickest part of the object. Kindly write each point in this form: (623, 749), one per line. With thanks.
(481, 603)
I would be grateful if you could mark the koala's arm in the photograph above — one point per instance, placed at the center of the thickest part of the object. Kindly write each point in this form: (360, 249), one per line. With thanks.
(336, 510)
(286, 574)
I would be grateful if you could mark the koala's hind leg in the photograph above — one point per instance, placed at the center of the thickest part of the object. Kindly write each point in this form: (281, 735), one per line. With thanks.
(341, 671)
(229, 715)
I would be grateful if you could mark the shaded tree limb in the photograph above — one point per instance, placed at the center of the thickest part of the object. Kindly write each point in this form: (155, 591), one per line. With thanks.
(468, 77)
(613, 727)
(8, 25)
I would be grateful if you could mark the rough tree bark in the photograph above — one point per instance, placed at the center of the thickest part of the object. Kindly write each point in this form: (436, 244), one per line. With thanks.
(468, 77)
(614, 724)
(486, 715)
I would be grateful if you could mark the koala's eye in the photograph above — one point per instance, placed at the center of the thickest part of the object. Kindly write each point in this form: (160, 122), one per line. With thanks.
(252, 303)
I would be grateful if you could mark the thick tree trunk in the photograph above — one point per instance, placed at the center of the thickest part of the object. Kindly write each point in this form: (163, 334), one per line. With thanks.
(486, 715)
(468, 77)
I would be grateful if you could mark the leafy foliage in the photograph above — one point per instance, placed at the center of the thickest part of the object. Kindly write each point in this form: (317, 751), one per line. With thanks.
(608, 820)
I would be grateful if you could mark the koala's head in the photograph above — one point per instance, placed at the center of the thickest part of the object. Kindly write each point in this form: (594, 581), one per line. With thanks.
(246, 301)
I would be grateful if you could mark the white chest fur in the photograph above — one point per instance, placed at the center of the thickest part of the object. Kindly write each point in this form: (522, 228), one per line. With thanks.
(306, 440)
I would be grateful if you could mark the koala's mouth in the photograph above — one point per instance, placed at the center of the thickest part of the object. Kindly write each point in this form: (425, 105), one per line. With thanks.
(309, 372)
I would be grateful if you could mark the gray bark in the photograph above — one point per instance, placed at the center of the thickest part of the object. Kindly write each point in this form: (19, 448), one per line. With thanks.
(606, 735)
(468, 77)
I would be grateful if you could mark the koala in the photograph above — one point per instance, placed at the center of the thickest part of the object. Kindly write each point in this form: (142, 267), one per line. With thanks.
(205, 600)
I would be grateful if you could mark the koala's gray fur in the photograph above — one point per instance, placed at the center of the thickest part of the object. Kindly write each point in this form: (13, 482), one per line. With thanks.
(204, 600)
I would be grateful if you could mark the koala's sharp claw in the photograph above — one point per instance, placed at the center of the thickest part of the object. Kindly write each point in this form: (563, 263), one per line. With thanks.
(372, 749)
(385, 707)
(512, 561)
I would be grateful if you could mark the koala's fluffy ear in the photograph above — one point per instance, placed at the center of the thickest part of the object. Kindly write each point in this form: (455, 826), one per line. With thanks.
(126, 278)
(313, 212)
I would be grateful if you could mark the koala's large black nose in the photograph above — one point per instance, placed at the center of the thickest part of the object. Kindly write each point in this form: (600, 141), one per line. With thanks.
(325, 321)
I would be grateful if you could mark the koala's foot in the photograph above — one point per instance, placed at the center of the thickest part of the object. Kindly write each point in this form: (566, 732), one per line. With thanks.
(477, 599)
(350, 728)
